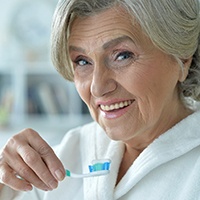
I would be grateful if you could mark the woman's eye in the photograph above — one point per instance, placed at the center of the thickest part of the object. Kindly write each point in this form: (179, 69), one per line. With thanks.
(121, 59)
(124, 55)
(81, 62)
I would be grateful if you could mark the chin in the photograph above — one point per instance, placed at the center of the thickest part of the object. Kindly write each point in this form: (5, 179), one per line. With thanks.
(116, 135)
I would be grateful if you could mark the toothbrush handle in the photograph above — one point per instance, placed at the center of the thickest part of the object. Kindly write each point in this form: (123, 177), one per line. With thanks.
(91, 174)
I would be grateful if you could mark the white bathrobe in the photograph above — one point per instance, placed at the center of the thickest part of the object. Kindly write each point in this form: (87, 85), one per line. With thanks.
(168, 169)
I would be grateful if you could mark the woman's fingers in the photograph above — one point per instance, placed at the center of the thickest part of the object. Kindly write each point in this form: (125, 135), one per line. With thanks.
(49, 158)
(8, 177)
(26, 173)
(29, 156)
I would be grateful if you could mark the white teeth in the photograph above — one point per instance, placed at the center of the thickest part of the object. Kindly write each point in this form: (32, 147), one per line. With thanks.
(116, 106)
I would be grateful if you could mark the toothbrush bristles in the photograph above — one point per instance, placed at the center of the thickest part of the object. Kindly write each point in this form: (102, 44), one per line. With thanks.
(99, 168)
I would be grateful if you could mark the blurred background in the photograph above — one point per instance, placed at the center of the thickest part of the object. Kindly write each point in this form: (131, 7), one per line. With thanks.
(32, 93)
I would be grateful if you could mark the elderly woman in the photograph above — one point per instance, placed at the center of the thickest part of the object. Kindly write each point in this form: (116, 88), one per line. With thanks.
(136, 64)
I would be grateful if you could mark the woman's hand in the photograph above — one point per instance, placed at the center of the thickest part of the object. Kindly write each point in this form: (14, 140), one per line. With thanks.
(28, 160)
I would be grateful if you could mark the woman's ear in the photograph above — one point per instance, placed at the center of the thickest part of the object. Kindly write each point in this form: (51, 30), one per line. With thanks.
(186, 63)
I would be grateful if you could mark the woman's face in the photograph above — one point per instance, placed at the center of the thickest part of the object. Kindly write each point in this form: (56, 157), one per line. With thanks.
(129, 85)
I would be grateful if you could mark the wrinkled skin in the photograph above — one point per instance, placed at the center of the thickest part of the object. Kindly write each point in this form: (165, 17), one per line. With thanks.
(129, 85)
(113, 62)
(30, 157)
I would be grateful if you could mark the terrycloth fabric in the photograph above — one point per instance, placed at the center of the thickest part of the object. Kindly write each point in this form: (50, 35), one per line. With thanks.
(168, 169)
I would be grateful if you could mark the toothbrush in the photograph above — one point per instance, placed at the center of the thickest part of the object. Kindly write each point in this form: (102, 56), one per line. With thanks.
(98, 168)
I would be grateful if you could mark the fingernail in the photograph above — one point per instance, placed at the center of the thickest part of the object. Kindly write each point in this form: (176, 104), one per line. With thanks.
(47, 189)
(53, 184)
(59, 175)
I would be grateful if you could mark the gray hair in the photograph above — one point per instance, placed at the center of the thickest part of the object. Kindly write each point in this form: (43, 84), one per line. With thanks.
(172, 25)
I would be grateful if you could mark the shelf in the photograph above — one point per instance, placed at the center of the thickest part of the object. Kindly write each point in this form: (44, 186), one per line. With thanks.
(6, 69)
(32, 93)
(56, 99)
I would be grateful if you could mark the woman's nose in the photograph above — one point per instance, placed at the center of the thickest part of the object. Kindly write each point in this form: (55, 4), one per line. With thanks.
(103, 82)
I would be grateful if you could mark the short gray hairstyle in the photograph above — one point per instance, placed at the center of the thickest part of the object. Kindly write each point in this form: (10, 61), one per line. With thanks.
(172, 25)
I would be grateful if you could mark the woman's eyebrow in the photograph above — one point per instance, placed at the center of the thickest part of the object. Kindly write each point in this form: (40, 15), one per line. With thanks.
(107, 45)
(116, 41)
(74, 48)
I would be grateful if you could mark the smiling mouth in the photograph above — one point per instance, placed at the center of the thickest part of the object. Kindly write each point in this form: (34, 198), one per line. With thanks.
(116, 106)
